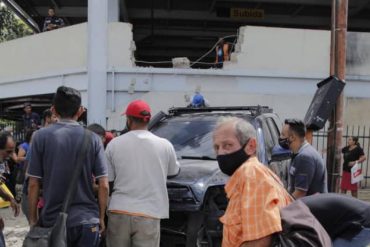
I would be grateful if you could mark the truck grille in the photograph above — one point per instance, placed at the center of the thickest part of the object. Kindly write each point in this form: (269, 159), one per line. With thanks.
(180, 194)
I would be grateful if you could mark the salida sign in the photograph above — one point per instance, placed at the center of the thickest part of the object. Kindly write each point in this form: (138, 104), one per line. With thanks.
(244, 13)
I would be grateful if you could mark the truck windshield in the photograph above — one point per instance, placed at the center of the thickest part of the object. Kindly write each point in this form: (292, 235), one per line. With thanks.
(191, 138)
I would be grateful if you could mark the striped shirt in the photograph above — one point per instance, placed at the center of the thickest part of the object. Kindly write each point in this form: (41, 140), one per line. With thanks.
(255, 196)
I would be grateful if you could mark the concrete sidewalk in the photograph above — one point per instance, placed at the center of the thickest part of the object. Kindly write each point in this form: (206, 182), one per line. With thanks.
(16, 228)
(364, 194)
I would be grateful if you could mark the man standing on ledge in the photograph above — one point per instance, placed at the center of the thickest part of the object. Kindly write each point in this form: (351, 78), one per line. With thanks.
(31, 120)
(51, 21)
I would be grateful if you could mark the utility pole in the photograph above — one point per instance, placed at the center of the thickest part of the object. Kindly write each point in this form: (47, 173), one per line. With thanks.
(338, 69)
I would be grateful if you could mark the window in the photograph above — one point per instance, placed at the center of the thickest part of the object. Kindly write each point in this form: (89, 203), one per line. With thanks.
(275, 133)
(268, 143)
(190, 137)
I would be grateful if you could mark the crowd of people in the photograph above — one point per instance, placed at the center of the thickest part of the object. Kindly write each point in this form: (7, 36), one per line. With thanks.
(121, 193)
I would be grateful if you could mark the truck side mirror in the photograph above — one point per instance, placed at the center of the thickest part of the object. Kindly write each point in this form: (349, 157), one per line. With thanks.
(280, 154)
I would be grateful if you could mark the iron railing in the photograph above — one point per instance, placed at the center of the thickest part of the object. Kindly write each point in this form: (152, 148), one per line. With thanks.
(363, 134)
(15, 127)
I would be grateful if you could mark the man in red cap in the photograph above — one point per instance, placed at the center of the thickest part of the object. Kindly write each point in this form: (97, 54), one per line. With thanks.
(139, 163)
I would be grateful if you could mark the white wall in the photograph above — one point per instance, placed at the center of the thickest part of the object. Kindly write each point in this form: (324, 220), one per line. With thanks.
(61, 50)
(44, 52)
(121, 45)
(358, 54)
(282, 50)
(275, 67)
(356, 111)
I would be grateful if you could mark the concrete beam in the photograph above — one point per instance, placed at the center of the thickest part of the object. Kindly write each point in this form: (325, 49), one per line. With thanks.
(142, 32)
(124, 11)
(303, 2)
(167, 43)
(97, 61)
(190, 52)
(298, 10)
(55, 4)
(113, 10)
(361, 4)
(212, 6)
(304, 21)
(186, 15)
(64, 11)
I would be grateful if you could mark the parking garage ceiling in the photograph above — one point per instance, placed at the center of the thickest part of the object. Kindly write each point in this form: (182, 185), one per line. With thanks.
(164, 29)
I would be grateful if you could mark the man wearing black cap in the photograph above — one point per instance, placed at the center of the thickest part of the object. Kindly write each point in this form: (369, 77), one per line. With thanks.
(138, 165)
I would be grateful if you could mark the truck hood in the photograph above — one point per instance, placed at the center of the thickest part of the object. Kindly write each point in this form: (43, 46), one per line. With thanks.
(199, 175)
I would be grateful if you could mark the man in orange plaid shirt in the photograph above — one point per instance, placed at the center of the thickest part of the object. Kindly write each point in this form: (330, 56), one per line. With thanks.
(255, 193)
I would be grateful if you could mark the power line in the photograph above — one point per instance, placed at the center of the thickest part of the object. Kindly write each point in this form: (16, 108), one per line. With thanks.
(196, 61)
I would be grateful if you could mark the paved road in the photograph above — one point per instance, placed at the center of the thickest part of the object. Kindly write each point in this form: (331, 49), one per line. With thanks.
(16, 228)
(364, 195)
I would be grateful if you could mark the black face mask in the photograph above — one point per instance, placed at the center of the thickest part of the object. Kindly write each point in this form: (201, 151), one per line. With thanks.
(284, 143)
(229, 163)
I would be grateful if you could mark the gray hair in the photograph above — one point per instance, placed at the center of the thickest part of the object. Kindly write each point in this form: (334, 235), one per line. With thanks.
(243, 130)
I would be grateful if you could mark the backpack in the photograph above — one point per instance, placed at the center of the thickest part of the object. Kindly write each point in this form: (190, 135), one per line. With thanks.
(300, 228)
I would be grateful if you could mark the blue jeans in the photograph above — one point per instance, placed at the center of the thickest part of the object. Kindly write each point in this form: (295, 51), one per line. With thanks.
(83, 236)
(362, 239)
(2, 240)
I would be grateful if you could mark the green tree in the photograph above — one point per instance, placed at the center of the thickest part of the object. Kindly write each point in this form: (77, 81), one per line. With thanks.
(11, 27)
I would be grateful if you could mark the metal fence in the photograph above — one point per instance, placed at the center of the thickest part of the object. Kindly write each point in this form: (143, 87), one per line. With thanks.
(15, 127)
(363, 134)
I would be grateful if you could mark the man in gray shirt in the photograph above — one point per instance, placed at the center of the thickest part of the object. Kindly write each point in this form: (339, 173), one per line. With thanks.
(307, 172)
(53, 161)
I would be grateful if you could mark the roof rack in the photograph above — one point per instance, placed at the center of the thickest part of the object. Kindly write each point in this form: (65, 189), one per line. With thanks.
(254, 110)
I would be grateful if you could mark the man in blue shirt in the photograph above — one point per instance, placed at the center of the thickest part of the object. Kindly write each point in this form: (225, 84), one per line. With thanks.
(52, 21)
(31, 120)
(54, 153)
(307, 172)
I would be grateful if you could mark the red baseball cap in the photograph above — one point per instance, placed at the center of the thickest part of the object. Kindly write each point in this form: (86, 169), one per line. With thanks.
(139, 109)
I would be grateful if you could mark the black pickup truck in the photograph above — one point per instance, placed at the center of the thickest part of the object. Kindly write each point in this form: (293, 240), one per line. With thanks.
(197, 196)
